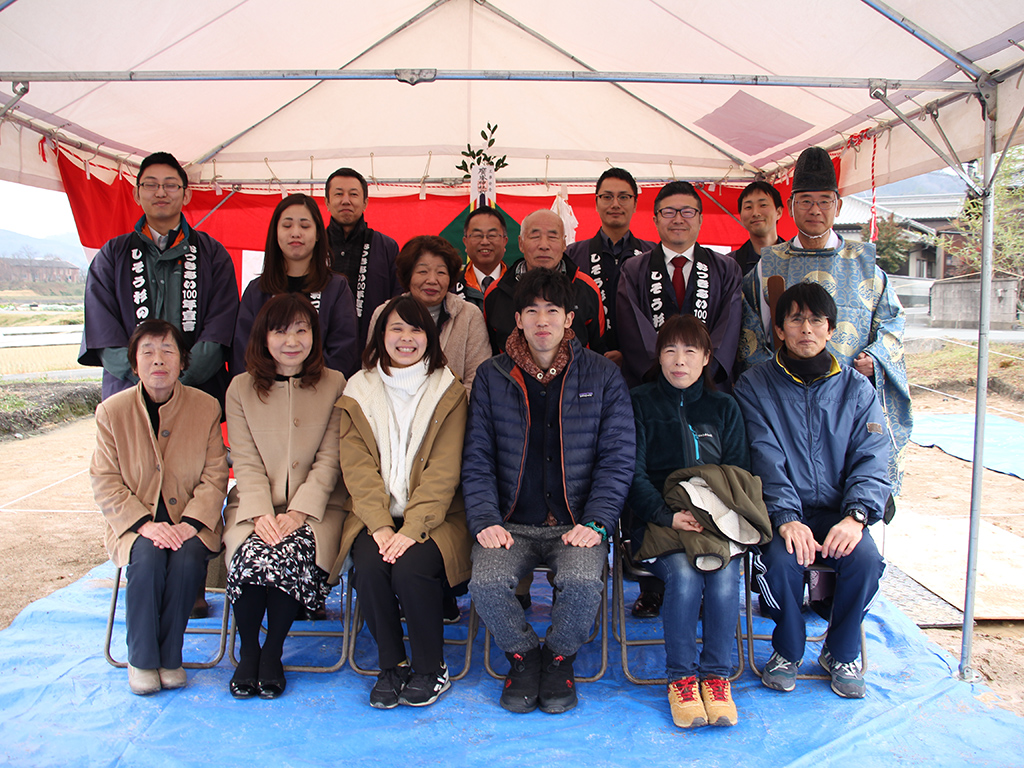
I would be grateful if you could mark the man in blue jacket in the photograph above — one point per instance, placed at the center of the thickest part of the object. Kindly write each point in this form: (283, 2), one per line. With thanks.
(548, 460)
(819, 443)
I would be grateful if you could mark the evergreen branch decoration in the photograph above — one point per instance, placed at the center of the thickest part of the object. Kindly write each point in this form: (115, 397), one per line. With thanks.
(475, 157)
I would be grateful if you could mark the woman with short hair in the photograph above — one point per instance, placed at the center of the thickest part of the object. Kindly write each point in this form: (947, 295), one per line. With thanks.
(683, 423)
(159, 475)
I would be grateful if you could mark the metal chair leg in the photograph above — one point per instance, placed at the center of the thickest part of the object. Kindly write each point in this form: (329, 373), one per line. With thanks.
(222, 632)
(473, 622)
(343, 634)
(600, 626)
(751, 637)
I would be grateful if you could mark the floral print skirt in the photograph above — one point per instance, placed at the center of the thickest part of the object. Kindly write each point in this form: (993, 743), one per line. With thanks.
(290, 567)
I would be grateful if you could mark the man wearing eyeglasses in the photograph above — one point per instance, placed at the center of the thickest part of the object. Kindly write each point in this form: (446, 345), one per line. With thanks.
(485, 236)
(678, 276)
(818, 443)
(869, 332)
(601, 257)
(163, 269)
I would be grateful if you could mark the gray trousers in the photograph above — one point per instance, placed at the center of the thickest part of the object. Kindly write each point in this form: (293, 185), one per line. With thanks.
(578, 573)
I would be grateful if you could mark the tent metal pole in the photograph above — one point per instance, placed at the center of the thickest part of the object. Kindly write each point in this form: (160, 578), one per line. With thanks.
(928, 39)
(878, 92)
(978, 466)
(406, 24)
(413, 76)
(1009, 143)
(508, 19)
(214, 209)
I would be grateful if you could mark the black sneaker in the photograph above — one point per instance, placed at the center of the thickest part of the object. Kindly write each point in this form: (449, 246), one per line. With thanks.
(422, 690)
(450, 610)
(557, 683)
(389, 685)
(522, 682)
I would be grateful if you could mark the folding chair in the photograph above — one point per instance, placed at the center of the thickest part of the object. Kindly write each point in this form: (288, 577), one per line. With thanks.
(751, 637)
(622, 562)
(473, 622)
(600, 627)
(346, 613)
(223, 631)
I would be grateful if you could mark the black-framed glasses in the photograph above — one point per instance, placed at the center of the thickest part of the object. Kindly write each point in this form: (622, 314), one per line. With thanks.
(622, 197)
(686, 212)
(170, 186)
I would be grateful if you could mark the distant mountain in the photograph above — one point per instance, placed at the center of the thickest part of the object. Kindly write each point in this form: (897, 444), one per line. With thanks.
(64, 247)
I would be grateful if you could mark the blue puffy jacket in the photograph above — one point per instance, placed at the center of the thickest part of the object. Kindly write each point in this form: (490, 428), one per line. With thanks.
(598, 440)
(818, 446)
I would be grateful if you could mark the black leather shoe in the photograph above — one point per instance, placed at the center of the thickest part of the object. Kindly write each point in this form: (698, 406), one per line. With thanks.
(243, 689)
(647, 605)
(271, 689)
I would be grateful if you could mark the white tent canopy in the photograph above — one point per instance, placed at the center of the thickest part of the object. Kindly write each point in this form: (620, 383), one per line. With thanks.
(500, 63)
(263, 94)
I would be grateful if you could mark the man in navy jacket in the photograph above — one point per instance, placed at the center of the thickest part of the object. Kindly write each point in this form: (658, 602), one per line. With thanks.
(819, 444)
(548, 461)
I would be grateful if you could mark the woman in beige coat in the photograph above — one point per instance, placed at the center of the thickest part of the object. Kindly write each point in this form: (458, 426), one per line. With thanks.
(283, 518)
(403, 420)
(159, 475)
(426, 267)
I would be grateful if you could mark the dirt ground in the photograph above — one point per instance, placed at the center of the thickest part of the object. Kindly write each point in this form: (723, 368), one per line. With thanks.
(50, 529)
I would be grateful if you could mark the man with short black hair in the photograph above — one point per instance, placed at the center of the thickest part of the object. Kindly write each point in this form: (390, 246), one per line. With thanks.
(760, 208)
(485, 236)
(601, 257)
(547, 463)
(819, 444)
(678, 276)
(163, 270)
(869, 312)
(542, 241)
(364, 256)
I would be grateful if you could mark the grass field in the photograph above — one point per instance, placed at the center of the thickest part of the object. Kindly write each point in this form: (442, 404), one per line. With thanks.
(40, 359)
(74, 316)
(959, 362)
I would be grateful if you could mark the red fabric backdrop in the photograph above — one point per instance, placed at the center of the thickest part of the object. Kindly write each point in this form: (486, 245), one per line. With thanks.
(103, 211)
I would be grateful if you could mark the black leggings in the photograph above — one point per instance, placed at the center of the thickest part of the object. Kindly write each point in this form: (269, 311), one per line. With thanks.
(414, 581)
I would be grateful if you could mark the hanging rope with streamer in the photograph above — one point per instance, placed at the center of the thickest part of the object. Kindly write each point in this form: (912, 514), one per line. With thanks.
(874, 192)
(855, 141)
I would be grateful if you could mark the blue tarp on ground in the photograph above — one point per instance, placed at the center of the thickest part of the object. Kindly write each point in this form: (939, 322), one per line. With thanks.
(62, 704)
(954, 434)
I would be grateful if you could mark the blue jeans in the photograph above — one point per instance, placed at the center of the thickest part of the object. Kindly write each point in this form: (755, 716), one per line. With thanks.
(685, 589)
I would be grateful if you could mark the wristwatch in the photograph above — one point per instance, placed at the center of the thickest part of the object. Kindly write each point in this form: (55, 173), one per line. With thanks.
(859, 515)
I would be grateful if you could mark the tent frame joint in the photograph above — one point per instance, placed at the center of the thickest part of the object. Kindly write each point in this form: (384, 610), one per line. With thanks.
(20, 89)
(414, 76)
(987, 95)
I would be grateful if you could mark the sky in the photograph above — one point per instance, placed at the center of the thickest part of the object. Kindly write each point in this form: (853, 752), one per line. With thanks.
(34, 212)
